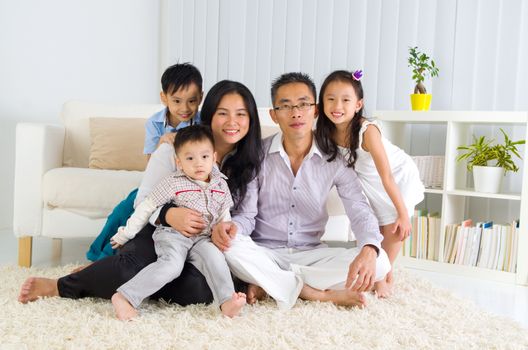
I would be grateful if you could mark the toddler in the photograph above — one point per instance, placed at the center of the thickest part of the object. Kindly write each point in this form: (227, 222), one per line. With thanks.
(198, 185)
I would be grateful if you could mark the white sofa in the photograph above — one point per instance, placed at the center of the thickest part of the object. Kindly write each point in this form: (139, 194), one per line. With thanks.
(56, 194)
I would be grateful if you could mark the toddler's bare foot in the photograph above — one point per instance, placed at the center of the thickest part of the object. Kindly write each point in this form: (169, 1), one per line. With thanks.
(347, 297)
(35, 287)
(124, 311)
(255, 293)
(383, 288)
(80, 268)
(232, 307)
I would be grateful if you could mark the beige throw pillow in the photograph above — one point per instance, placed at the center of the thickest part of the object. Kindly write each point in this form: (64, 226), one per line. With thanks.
(117, 143)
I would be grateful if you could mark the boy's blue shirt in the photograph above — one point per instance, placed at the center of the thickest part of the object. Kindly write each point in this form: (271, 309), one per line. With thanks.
(157, 125)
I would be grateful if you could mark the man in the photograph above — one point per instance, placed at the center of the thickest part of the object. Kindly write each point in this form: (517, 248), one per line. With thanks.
(284, 213)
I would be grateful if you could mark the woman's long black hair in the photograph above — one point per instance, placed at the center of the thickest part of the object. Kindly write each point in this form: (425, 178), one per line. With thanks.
(325, 128)
(244, 165)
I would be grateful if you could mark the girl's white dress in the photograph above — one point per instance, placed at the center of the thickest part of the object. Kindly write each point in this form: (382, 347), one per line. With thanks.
(405, 175)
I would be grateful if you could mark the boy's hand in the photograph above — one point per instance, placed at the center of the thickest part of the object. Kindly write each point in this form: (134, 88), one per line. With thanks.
(222, 234)
(114, 244)
(167, 138)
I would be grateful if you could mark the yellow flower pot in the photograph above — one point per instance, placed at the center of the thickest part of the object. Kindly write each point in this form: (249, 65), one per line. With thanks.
(421, 102)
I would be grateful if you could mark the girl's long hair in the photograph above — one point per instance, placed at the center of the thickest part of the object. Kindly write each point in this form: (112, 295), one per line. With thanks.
(326, 129)
(244, 165)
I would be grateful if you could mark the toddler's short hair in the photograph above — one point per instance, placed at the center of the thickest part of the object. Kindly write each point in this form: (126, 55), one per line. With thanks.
(192, 133)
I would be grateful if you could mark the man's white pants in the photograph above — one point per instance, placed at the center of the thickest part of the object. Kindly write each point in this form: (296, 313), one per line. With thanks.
(282, 272)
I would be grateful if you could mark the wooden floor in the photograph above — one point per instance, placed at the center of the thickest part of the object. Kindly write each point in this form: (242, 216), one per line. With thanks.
(502, 299)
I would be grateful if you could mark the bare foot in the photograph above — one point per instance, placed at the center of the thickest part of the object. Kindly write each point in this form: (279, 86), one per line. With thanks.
(383, 288)
(124, 311)
(35, 287)
(255, 293)
(80, 268)
(231, 308)
(347, 297)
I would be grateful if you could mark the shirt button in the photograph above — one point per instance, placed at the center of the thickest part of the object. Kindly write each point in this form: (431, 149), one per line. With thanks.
(293, 205)
(291, 233)
(295, 188)
(291, 223)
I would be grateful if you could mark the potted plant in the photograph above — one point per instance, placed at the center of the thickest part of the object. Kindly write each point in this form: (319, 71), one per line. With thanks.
(421, 65)
(489, 162)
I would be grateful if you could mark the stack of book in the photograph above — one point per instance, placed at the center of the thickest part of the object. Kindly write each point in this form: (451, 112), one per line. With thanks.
(431, 170)
(484, 245)
(424, 241)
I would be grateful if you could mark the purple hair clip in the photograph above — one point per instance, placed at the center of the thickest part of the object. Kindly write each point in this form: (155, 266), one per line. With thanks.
(357, 75)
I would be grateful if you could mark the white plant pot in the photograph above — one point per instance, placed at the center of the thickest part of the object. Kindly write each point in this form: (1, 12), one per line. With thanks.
(487, 179)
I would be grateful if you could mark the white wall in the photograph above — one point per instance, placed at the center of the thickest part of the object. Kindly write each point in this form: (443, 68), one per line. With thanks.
(57, 50)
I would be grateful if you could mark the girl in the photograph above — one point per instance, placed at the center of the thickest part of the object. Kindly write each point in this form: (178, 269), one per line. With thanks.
(230, 110)
(389, 177)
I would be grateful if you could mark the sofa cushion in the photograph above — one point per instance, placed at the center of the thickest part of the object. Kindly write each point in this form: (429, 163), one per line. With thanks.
(117, 143)
(89, 192)
(76, 115)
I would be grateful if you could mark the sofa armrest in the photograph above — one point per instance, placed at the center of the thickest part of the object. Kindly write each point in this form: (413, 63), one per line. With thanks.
(39, 148)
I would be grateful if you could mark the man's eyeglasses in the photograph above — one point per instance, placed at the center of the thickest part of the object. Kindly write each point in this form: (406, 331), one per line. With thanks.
(303, 106)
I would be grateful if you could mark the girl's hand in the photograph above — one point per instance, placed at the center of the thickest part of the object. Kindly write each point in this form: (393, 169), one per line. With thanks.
(402, 227)
(186, 221)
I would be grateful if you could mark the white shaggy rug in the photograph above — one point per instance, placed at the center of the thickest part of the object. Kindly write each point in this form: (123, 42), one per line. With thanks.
(418, 316)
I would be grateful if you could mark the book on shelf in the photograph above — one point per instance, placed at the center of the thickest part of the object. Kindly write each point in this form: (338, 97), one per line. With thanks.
(449, 241)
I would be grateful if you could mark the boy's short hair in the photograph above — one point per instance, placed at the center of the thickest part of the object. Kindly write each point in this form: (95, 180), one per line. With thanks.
(290, 78)
(180, 75)
(193, 133)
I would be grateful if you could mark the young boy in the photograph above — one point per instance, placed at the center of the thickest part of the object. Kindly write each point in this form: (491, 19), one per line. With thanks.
(198, 185)
(181, 93)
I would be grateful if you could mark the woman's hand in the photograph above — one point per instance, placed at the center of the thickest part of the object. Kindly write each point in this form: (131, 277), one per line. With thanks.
(402, 227)
(186, 221)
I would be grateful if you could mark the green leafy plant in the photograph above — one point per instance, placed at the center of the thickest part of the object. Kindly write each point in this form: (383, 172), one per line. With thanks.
(422, 65)
(482, 150)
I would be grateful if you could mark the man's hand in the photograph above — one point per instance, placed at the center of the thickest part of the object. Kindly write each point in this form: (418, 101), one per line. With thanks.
(364, 268)
(222, 234)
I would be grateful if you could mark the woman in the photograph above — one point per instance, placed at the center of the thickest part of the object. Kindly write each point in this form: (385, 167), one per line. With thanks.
(230, 110)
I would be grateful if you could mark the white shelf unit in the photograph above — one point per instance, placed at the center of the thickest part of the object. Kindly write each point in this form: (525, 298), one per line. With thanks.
(440, 133)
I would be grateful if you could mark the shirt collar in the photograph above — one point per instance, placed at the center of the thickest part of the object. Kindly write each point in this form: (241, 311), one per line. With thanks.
(161, 116)
(277, 146)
